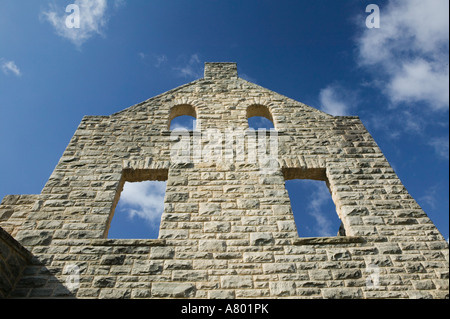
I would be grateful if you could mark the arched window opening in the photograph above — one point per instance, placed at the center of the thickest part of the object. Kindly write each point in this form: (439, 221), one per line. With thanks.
(314, 210)
(182, 117)
(259, 117)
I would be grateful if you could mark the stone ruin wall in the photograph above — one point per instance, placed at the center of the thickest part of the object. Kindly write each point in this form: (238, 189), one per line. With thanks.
(227, 230)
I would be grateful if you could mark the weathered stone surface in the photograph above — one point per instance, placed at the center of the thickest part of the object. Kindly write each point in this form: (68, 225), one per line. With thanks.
(173, 290)
(162, 253)
(251, 257)
(34, 237)
(217, 227)
(221, 294)
(147, 267)
(112, 260)
(209, 208)
(212, 245)
(282, 288)
(103, 282)
(279, 268)
(257, 239)
(342, 293)
(234, 282)
(189, 275)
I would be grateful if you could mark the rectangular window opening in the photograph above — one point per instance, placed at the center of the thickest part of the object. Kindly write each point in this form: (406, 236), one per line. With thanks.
(312, 205)
(139, 205)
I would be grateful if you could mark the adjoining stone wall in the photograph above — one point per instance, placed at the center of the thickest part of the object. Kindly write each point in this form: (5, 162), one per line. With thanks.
(13, 260)
(14, 212)
(227, 230)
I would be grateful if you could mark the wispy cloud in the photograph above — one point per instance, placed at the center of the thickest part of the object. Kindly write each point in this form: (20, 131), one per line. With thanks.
(248, 78)
(191, 67)
(321, 196)
(440, 146)
(160, 59)
(409, 52)
(430, 198)
(157, 60)
(143, 200)
(337, 101)
(411, 123)
(10, 67)
(93, 19)
(388, 124)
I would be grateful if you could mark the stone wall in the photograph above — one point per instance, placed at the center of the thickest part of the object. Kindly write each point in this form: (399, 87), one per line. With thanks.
(227, 230)
(13, 260)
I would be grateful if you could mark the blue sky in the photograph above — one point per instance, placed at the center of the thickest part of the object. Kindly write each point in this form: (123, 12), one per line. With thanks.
(321, 53)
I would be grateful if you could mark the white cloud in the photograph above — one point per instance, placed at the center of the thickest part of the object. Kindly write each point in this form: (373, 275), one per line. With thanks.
(337, 101)
(10, 67)
(93, 19)
(409, 52)
(144, 200)
(420, 80)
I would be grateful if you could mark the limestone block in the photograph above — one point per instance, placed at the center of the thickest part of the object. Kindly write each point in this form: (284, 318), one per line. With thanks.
(173, 290)
(282, 288)
(190, 275)
(147, 267)
(212, 245)
(279, 268)
(217, 227)
(34, 237)
(162, 253)
(112, 260)
(257, 239)
(342, 293)
(252, 257)
(236, 282)
(209, 208)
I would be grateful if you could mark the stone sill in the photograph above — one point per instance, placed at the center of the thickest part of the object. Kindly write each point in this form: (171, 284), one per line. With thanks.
(342, 240)
(246, 132)
(128, 242)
